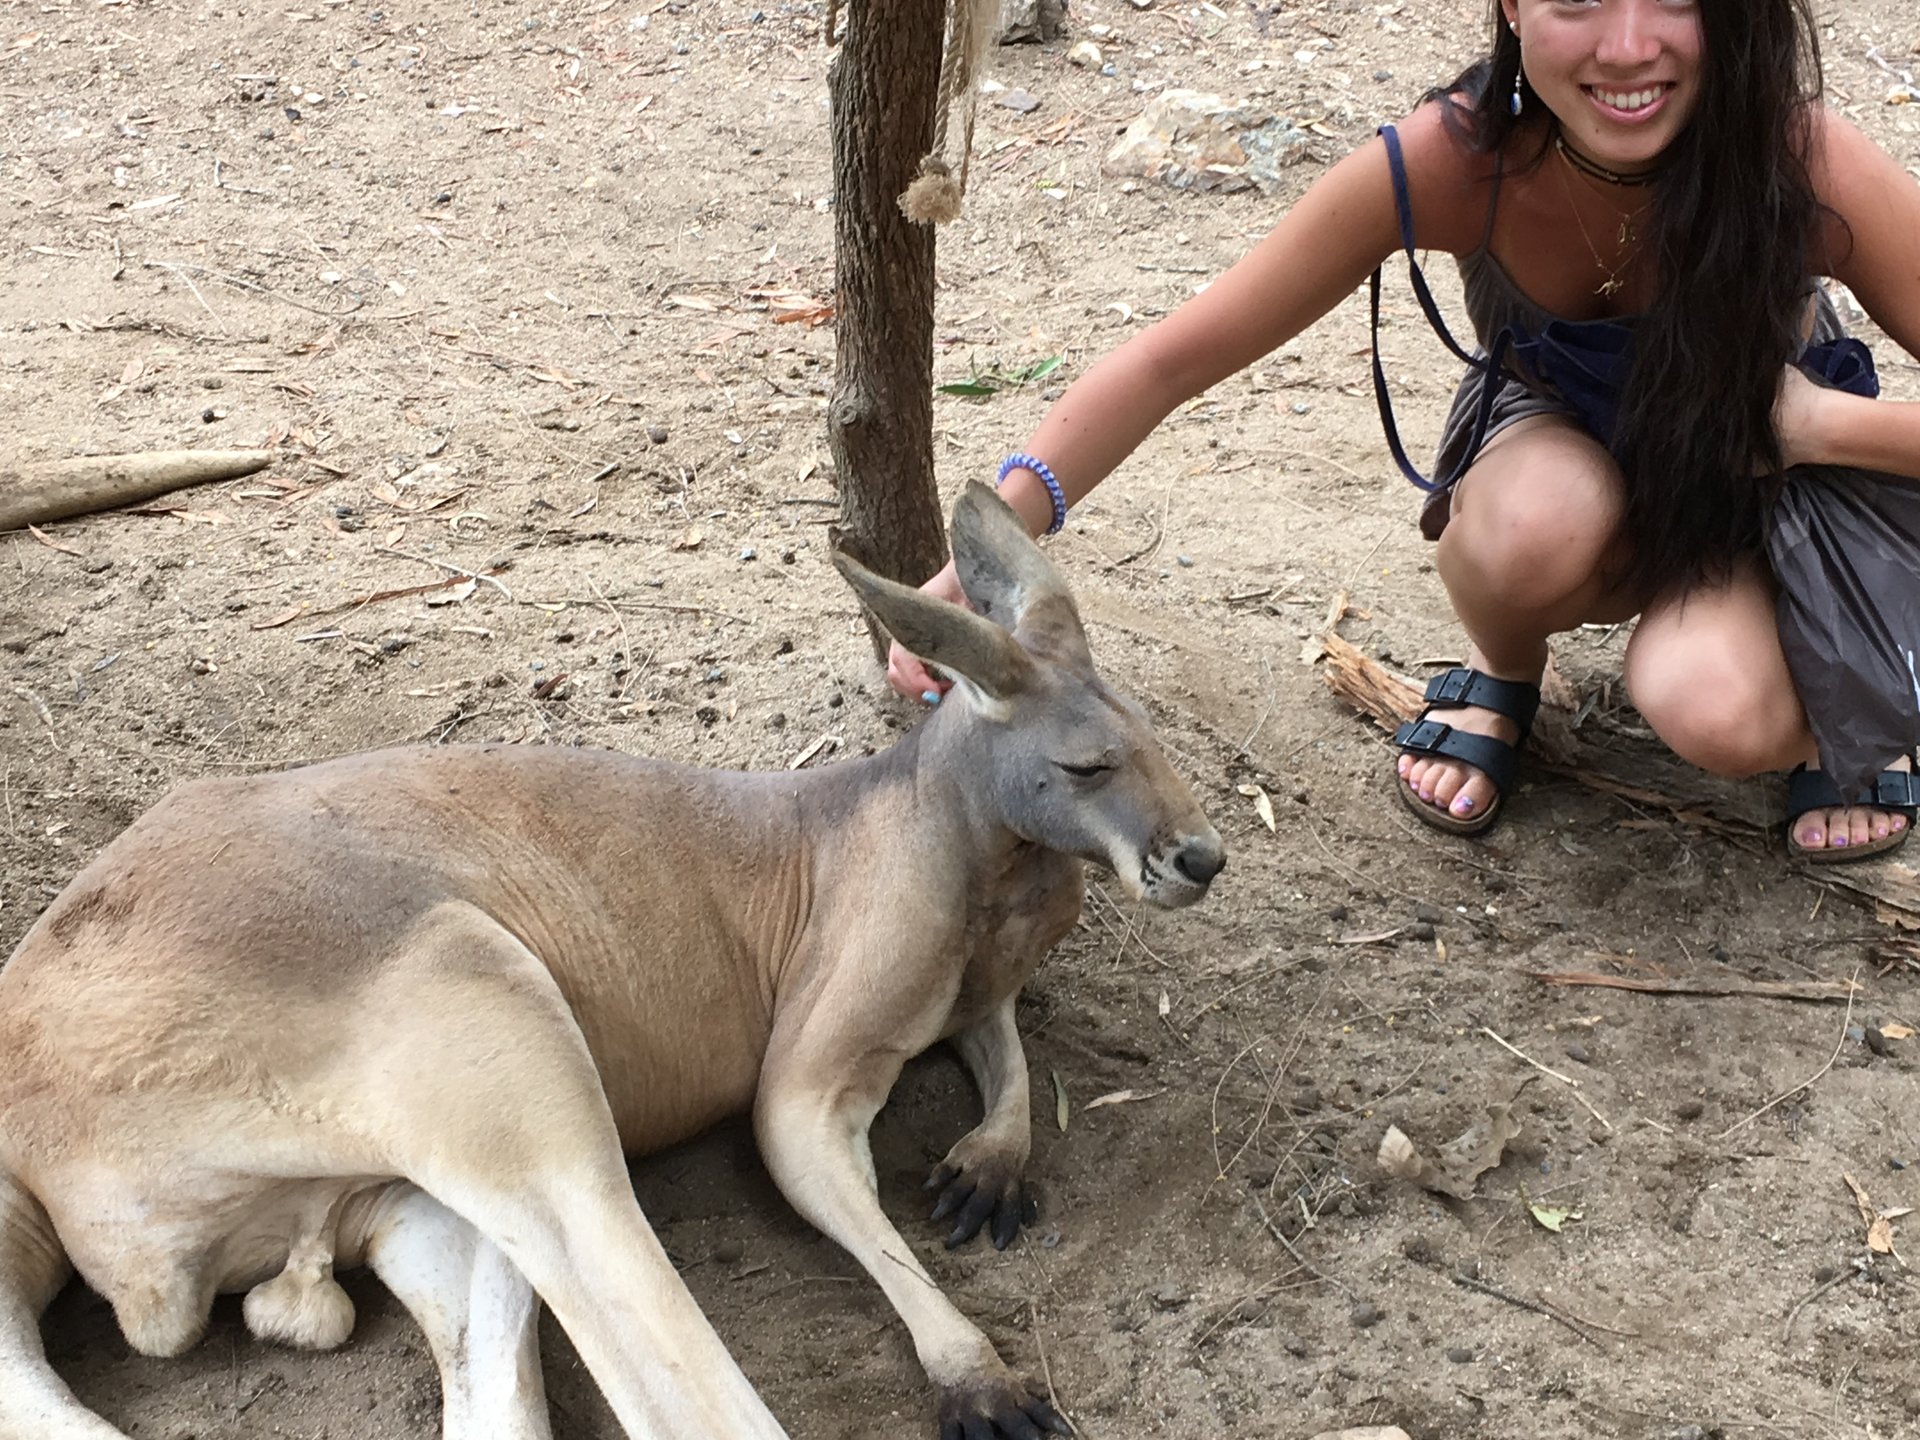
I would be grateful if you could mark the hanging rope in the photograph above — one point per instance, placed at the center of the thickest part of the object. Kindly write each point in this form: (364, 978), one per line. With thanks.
(934, 196)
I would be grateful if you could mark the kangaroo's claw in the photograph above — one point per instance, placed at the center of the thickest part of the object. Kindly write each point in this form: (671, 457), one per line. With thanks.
(997, 1410)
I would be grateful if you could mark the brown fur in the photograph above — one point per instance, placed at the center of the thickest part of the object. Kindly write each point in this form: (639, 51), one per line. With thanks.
(275, 1011)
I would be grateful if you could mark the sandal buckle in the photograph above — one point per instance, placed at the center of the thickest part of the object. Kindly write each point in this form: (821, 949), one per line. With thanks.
(1450, 687)
(1424, 736)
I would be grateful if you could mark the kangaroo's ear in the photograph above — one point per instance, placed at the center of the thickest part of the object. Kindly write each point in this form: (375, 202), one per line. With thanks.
(964, 644)
(1006, 575)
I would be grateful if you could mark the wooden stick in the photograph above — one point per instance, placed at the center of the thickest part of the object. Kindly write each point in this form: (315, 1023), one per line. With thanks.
(53, 490)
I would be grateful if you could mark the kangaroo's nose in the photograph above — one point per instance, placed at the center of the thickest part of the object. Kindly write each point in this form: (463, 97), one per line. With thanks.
(1201, 859)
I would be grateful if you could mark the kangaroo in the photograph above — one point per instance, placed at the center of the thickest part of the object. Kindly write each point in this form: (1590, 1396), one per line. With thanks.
(410, 1010)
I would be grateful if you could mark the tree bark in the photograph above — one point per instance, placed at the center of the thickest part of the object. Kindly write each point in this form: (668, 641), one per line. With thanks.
(880, 419)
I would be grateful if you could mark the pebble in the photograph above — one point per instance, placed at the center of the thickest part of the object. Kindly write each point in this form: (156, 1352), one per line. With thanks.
(1690, 1432)
(1896, 1164)
(1365, 1315)
(657, 434)
(747, 552)
(1578, 1053)
(1876, 1042)
(1185, 561)
(1086, 55)
(1420, 930)
(1431, 914)
(1689, 1110)
(1168, 1297)
(1460, 1355)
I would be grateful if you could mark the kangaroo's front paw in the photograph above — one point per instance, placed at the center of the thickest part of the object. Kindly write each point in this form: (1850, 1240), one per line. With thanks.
(978, 1181)
(996, 1409)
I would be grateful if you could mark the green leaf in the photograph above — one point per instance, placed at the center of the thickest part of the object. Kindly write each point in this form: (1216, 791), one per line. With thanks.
(1041, 370)
(1554, 1217)
(972, 389)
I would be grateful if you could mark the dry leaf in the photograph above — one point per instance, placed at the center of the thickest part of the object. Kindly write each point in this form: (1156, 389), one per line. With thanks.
(1897, 1032)
(1879, 1224)
(689, 541)
(1059, 1100)
(1166, 1005)
(1262, 802)
(291, 613)
(1458, 1163)
(453, 594)
(52, 544)
(1121, 1097)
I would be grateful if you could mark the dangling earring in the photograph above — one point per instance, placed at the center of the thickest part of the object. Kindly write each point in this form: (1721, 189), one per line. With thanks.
(1515, 103)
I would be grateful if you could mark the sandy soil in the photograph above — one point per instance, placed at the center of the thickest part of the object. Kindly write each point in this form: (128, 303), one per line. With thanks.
(502, 286)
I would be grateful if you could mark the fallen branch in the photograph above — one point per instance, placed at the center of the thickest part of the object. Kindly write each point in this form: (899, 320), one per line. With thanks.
(55, 489)
(1817, 990)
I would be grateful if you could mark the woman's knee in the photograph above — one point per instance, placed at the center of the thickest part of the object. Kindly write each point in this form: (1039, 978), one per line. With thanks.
(1725, 712)
(1528, 536)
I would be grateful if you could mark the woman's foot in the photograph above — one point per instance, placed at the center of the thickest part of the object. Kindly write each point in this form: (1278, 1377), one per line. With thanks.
(1845, 831)
(1453, 786)
(1459, 755)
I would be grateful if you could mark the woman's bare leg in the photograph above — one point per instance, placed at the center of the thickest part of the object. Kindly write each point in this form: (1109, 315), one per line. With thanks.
(1528, 551)
(1707, 672)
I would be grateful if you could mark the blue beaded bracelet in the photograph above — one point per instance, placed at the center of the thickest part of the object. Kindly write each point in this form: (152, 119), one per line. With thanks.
(1054, 492)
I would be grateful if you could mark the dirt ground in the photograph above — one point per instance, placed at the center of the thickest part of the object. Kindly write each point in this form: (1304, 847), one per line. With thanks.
(505, 286)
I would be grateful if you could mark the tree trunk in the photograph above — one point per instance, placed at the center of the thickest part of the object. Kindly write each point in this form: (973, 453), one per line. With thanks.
(880, 420)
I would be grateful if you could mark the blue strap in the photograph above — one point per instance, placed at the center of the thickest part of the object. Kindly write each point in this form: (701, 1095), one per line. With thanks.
(1493, 366)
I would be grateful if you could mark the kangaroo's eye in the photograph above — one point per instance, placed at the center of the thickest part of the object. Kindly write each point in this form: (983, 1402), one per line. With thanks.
(1083, 772)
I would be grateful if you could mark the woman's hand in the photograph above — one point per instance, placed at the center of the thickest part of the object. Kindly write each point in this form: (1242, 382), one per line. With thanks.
(1795, 418)
(906, 672)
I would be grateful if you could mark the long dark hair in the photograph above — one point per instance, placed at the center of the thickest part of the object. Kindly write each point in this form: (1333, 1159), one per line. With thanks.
(1733, 226)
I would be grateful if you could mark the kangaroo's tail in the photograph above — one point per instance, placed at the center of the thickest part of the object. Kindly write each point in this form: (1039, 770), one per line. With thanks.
(35, 1404)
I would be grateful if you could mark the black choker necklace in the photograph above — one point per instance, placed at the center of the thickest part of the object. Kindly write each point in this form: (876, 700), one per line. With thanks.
(1587, 166)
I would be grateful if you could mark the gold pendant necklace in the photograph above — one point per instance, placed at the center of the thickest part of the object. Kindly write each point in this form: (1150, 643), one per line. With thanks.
(1626, 236)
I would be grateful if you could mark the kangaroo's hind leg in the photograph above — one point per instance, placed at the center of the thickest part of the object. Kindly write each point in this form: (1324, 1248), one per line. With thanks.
(476, 1080)
(479, 1314)
(35, 1403)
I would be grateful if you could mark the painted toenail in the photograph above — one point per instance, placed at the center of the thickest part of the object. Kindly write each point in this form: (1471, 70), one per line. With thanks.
(1463, 806)
(1839, 842)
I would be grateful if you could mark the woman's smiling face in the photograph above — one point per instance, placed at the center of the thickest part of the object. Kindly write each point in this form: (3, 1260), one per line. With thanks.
(1623, 76)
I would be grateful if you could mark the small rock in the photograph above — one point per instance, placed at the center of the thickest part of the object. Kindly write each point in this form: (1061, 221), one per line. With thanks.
(1086, 55)
(1912, 1403)
(1857, 1034)
(747, 552)
(1185, 561)
(1689, 1110)
(1690, 1432)
(1578, 1053)
(1876, 1042)
(1365, 1315)
(1894, 1164)
(1021, 102)
(1168, 1297)
(1421, 930)
(1431, 914)
(1338, 912)
(1460, 1355)
(657, 434)
(1294, 1346)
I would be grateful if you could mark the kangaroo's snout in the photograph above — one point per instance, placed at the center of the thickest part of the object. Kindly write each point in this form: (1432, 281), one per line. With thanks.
(1201, 858)
(1177, 875)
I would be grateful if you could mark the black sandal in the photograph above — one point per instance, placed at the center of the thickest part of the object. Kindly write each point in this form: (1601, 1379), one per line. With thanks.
(1895, 790)
(1496, 759)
